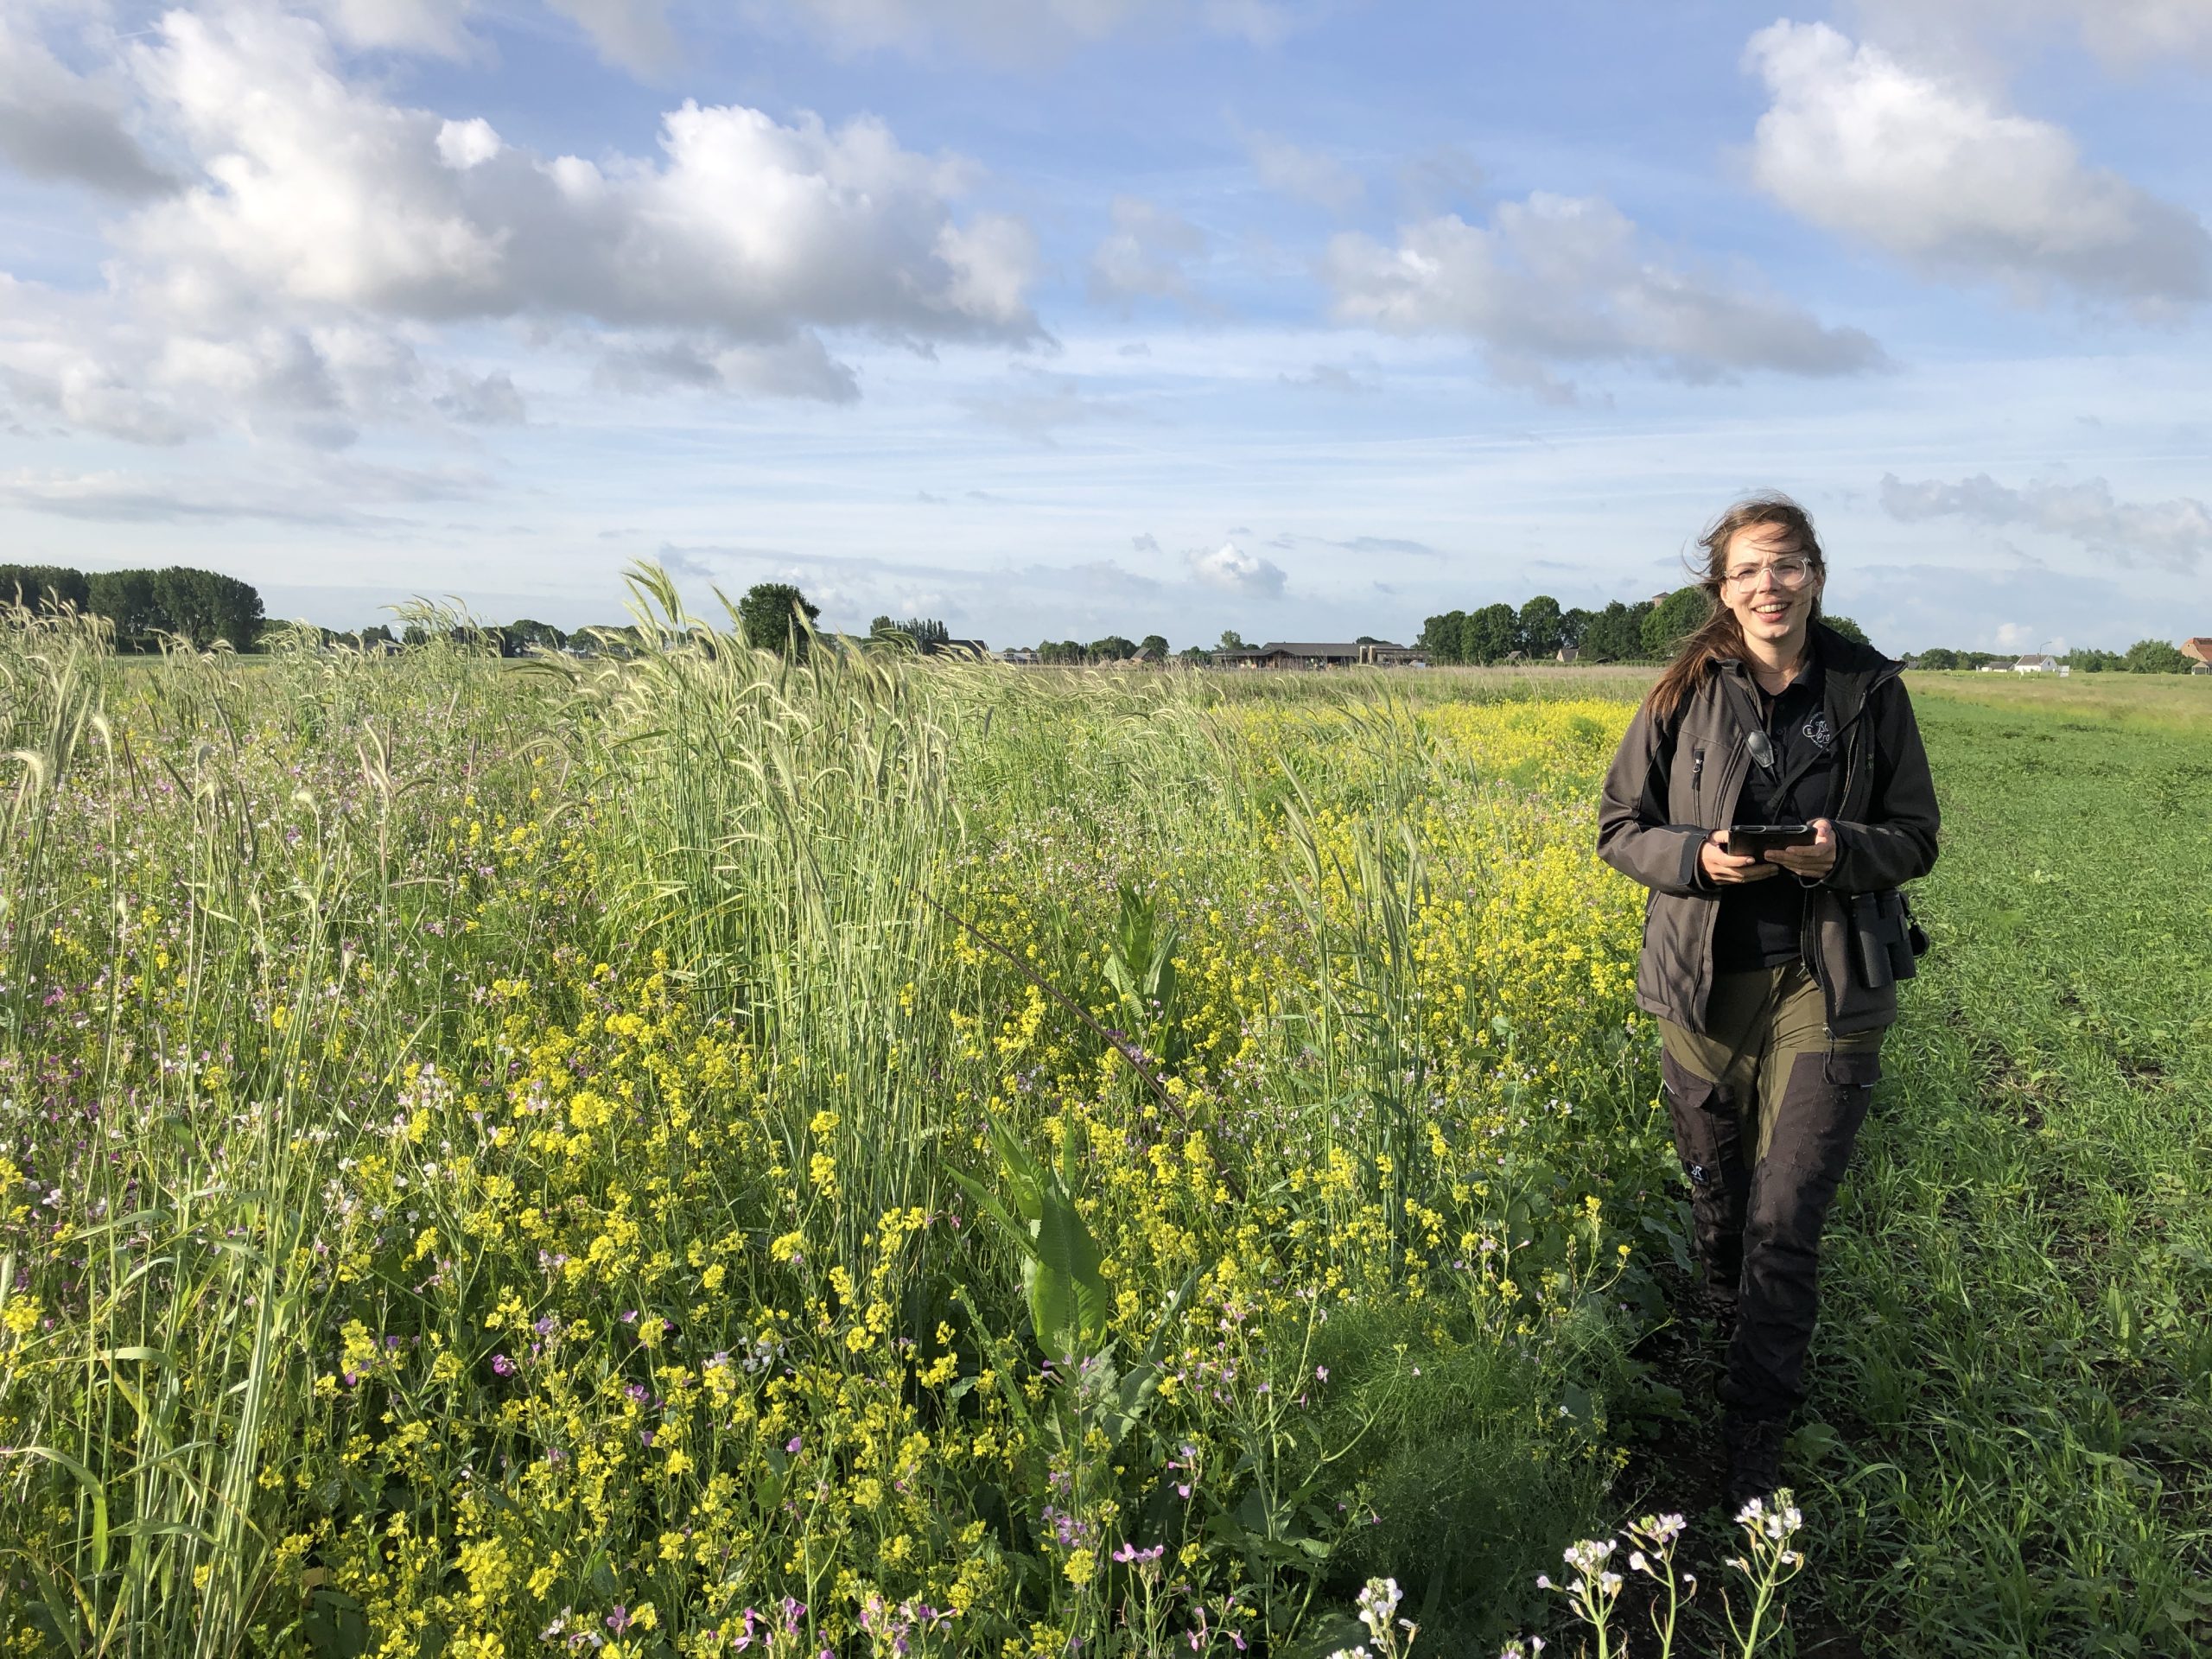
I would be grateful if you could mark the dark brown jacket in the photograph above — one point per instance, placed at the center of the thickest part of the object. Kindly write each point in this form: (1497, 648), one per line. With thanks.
(1675, 781)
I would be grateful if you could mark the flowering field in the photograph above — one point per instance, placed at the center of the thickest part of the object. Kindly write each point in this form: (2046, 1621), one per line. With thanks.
(686, 1154)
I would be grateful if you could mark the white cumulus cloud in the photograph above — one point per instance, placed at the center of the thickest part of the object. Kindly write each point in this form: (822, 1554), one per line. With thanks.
(464, 144)
(1557, 280)
(320, 235)
(1937, 173)
(60, 125)
(319, 194)
(1234, 570)
(2175, 534)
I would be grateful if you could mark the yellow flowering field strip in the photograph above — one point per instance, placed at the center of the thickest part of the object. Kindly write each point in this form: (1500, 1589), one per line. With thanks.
(494, 1163)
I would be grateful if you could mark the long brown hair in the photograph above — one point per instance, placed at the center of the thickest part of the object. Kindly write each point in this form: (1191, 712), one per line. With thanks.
(1718, 637)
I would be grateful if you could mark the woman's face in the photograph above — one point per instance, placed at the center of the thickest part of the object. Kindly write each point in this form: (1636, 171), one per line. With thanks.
(1768, 583)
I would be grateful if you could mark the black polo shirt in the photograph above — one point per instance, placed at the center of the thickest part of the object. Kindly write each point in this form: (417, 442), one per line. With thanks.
(1761, 923)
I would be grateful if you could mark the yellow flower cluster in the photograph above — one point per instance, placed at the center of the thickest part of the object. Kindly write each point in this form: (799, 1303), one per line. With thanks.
(619, 1252)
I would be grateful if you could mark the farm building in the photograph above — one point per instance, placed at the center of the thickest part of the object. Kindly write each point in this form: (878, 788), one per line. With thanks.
(1298, 654)
(2035, 663)
(2199, 652)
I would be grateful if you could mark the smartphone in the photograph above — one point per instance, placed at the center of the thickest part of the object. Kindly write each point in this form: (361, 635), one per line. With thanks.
(1759, 839)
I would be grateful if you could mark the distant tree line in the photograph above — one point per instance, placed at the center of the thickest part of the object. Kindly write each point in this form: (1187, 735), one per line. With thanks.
(202, 607)
(198, 606)
(1645, 631)
(2144, 656)
(1114, 648)
(926, 634)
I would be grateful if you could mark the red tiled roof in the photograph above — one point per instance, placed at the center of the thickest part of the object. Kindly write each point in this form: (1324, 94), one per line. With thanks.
(2201, 649)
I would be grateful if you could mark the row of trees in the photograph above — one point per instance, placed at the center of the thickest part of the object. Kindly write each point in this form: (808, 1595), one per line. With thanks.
(1647, 631)
(204, 606)
(199, 606)
(1643, 632)
(1153, 648)
(2144, 656)
(923, 633)
(1541, 628)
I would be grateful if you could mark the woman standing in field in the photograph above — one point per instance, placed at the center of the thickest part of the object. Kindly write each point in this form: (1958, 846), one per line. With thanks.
(1772, 969)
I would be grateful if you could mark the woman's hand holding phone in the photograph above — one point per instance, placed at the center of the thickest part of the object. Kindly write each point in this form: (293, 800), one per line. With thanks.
(1816, 859)
(1726, 870)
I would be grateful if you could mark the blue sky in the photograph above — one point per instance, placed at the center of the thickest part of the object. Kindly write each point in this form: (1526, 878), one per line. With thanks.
(1052, 318)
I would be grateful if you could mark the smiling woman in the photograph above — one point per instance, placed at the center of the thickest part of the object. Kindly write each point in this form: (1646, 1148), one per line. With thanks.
(1771, 1010)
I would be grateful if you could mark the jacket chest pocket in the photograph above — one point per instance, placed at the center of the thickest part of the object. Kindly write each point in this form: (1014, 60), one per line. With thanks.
(1697, 773)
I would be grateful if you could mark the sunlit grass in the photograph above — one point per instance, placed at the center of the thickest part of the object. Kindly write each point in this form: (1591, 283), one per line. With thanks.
(481, 1149)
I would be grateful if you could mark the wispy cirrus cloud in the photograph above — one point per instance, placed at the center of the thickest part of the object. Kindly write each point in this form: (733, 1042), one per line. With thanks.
(1554, 281)
(1011, 31)
(1148, 254)
(2175, 534)
(1306, 174)
(2123, 34)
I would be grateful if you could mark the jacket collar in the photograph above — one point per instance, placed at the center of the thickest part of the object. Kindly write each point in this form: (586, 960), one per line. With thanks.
(1851, 673)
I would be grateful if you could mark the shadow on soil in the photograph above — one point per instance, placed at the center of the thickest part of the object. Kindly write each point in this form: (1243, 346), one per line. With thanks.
(1683, 1467)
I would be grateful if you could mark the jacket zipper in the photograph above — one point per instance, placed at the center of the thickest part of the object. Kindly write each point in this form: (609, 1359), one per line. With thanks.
(1723, 800)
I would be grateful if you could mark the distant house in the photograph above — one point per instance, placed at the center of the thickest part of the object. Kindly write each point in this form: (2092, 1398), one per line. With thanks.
(1021, 655)
(2000, 666)
(2199, 652)
(1381, 653)
(2035, 663)
(1309, 655)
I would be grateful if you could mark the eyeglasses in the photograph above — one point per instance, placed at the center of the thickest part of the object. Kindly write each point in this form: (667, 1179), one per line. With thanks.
(1788, 573)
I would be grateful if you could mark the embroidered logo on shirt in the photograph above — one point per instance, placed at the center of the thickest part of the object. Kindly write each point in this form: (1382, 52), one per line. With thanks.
(1817, 729)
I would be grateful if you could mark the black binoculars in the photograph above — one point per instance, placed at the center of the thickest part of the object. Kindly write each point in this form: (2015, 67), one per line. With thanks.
(1888, 942)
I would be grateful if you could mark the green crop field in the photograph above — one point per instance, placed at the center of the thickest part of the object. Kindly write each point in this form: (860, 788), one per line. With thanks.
(701, 1153)
(2019, 1355)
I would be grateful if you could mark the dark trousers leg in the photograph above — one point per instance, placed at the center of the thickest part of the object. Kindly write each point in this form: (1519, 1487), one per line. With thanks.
(1812, 1097)
(1708, 1139)
(1798, 1096)
(1822, 1101)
